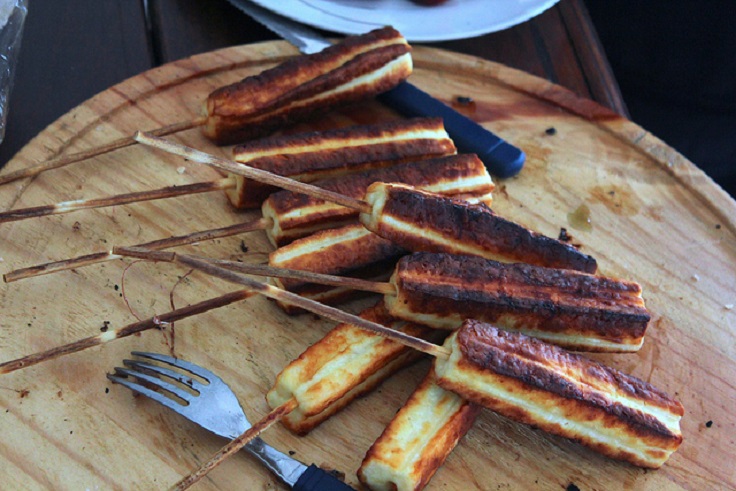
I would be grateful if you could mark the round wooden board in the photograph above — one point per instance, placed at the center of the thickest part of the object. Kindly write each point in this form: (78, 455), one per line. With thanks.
(653, 217)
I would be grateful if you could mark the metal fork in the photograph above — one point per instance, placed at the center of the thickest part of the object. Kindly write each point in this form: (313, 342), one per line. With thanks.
(213, 405)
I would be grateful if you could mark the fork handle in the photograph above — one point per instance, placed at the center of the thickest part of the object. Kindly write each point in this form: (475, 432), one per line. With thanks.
(316, 479)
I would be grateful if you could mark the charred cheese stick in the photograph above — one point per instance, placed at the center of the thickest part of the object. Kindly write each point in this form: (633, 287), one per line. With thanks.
(422, 221)
(308, 157)
(568, 308)
(350, 250)
(418, 439)
(296, 215)
(346, 250)
(347, 363)
(357, 68)
(562, 393)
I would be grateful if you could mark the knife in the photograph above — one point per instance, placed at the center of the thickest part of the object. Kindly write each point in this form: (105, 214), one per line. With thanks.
(500, 158)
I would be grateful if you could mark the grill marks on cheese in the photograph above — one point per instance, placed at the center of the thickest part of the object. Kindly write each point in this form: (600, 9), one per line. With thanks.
(562, 393)
(357, 68)
(423, 221)
(347, 363)
(418, 439)
(296, 215)
(568, 308)
(308, 157)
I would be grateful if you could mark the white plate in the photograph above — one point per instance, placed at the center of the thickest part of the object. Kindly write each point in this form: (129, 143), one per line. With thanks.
(453, 19)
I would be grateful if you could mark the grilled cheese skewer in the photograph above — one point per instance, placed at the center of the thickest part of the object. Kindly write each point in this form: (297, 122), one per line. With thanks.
(308, 157)
(305, 157)
(562, 393)
(421, 221)
(288, 216)
(344, 365)
(568, 308)
(357, 68)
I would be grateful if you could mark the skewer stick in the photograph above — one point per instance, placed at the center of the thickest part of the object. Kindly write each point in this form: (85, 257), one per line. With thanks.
(251, 173)
(235, 445)
(100, 150)
(136, 327)
(306, 276)
(119, 199)
(287, 297)
(98, 257)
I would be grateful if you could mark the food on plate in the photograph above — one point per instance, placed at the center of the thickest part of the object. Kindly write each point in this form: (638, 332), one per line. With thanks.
(345, 364)
(351, 250)
(569, 308)
(418, 439)
(423, 221)
(357, 68)
(311, 156)
(562, 393)
(293, 215)
(418, 220)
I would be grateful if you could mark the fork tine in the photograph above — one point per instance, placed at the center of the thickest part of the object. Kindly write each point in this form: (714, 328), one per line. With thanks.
(183, 378)
(184, 365)
(156, 382)
(145, 391)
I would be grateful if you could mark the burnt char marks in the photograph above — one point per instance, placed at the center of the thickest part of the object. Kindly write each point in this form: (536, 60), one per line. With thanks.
(295, 89)
(548, 367)
(562, 393)
(465, 224)
(449, 169)
(522, 296)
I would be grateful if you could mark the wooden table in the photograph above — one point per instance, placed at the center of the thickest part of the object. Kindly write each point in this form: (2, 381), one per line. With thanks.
(74, 49)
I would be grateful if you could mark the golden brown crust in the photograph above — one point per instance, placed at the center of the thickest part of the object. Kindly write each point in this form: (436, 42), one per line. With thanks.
(294, 215)
(333, 251)
(418, 439)
(305, 85)
(563, 393)
(568, 308)
(346, 363)
(464, 229)
(318, 155)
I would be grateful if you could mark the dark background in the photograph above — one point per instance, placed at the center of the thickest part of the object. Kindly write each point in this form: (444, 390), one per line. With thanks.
(675, 62)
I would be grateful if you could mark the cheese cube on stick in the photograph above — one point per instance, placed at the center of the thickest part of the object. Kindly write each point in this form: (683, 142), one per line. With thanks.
(356, 68)
(347, 363)
(422, 221)
(562, 393)
(568, 308)
(308, 157)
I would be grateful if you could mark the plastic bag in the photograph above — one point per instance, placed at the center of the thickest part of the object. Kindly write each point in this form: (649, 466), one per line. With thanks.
(12, 15)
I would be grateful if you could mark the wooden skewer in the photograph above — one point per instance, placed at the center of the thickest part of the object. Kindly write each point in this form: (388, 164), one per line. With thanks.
(287, 297)
(100, 150)
(235, 445)
(106, 337)
(98, 257)
(119, 199)
(251, 173)
(306, 276)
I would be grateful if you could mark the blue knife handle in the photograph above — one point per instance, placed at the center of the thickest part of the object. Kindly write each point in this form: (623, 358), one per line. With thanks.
(501, 158)
(315, 479)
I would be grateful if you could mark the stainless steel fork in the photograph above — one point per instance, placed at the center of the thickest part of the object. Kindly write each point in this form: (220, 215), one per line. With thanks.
(209, 402)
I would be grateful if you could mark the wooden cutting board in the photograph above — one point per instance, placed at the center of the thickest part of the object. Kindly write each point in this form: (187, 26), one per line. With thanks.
(645, 212)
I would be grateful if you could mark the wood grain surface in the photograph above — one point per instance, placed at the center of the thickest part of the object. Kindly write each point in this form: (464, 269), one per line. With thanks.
(641, 209)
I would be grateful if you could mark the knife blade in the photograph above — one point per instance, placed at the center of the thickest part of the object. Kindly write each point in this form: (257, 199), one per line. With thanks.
(500, 157)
